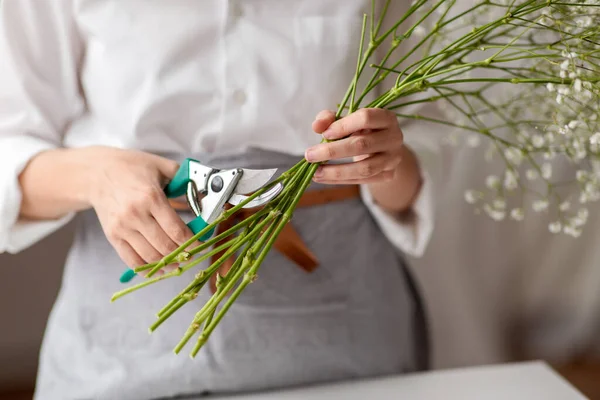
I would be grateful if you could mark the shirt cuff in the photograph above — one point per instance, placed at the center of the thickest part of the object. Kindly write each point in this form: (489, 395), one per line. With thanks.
(16, 235)
(409, 235)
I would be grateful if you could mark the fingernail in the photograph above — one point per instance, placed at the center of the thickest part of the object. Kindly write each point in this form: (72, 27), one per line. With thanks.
(319, 172)
(310, 155)
(328, 134)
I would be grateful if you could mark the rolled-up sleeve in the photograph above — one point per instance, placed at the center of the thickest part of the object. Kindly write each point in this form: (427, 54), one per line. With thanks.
(39, 97)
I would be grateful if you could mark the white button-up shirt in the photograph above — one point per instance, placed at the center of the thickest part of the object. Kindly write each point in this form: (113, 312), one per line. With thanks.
(178, 76)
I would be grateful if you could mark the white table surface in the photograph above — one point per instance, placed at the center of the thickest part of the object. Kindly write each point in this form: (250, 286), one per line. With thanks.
(533, 380)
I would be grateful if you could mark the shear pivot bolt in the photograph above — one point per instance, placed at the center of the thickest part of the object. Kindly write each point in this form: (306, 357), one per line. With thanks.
(217, 184)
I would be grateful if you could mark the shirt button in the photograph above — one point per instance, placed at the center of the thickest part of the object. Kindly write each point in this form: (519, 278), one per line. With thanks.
(239, 96)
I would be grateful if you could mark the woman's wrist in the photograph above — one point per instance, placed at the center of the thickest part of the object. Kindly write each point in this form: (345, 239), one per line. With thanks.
(398, 195)
(57, 182)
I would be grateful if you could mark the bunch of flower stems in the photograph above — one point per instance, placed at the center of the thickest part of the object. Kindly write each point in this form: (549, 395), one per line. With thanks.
(452, 44)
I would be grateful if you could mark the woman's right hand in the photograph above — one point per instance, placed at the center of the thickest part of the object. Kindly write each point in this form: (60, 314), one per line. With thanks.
(127, 193)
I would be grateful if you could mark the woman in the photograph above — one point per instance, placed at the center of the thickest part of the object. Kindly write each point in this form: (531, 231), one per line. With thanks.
(99, 101)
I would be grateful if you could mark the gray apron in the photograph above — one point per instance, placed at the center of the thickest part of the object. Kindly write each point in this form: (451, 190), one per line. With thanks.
(356, 316)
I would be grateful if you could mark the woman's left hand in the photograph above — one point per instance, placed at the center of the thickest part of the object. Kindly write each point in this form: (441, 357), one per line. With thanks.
(371, 137)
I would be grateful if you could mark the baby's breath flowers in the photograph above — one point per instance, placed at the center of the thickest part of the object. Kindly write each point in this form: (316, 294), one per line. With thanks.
(530, 88)
(521, 77)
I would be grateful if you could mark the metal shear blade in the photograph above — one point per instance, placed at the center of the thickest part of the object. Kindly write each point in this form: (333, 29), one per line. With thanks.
(226, 186)
(259, 200)
(253, 179)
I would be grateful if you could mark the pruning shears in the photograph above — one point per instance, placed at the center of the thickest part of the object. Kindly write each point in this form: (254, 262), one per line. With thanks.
(208, 190)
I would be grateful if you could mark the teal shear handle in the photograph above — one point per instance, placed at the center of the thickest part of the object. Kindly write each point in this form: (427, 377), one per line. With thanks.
(177, 188)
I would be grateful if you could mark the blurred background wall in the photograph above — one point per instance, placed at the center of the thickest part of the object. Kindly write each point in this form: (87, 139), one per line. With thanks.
(501, 290)
(29, 285)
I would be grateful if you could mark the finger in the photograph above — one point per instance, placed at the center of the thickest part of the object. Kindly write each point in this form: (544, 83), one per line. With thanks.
(366, 118)
(129, 256)
(323, 121)
(142, 247)
(170, 222)
(385, 176)
(364, 169)
(355, 145)
(156, 236)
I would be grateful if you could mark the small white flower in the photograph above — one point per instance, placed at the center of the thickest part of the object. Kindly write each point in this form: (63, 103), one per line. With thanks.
(510, 180)
(492, 181)
(531, 174)
(514, 155)
(579, 220)
(581, 175)
(572, 75)
(496, 215)
(572, 231)
(578, 86)
(538, 140)
(584, 22)
(590, 188)
(564, 206)
(565, 65)
(540, 205)
(580, 154)
(471, 196)
(595, 138)
(474, 141)
(559, 99)
(563, 74)
(499, 204)
(563, 130)
(547, 171)
(419, 31)
(517, 214)
(555, 227)
(573, 124)
(564, 90)
(551, 87)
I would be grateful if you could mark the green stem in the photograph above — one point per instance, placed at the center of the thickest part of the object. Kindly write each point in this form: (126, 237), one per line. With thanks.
(358, 64)
(168, 259)
(175, 307)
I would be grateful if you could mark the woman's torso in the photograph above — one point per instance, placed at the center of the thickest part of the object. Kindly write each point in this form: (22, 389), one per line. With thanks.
(201, 78)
